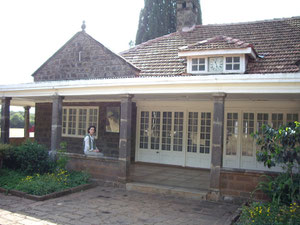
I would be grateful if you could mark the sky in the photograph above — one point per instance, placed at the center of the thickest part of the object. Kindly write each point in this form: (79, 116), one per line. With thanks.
(33, 30)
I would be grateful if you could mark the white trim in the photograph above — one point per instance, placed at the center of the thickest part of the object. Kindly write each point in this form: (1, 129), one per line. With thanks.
(220, 52)
(239, 83)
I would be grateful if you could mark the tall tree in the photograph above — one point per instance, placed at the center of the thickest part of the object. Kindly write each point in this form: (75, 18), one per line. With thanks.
(157, 18)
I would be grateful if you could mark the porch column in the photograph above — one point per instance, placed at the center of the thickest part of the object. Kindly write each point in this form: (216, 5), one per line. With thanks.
(125, 136)
(27, 121)
(56, 126)
(5, 104)
(217, 145)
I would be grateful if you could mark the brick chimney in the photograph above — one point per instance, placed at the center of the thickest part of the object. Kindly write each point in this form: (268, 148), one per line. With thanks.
(187, 14)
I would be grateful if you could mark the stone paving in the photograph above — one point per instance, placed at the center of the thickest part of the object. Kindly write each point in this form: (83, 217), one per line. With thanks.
(107, 205)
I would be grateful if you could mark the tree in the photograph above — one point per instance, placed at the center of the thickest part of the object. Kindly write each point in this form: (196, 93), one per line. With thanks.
(157, 18)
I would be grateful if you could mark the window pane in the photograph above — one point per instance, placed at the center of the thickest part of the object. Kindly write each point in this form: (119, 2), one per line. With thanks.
(277, 120)
(232, 134)
(262, 118)
(192, 132)
(228, 66)
(236, 59)
(144, 131)
(228, 59)
(178, 131)
(155, 128)
(194, 68)
(195, 61)
(205, 133)
(201, 61)
(166, 131)
(247, 140)
(236, 66)
(291, 117)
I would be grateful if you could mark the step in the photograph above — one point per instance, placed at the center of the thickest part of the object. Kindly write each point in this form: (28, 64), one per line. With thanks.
(167, 190)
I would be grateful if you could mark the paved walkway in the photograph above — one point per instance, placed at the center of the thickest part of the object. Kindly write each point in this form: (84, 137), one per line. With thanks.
(106, 205)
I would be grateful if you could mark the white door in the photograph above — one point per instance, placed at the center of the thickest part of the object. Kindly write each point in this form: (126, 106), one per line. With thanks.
(198, 151)
(161, 137)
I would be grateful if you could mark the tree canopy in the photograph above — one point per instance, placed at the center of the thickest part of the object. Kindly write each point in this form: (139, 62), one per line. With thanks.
(158, 18)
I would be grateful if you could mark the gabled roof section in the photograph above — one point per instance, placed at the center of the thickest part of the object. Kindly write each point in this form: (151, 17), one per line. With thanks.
(276, 42)
(82, 57)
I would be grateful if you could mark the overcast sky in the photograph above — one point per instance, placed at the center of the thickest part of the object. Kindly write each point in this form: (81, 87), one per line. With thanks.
(33, 30)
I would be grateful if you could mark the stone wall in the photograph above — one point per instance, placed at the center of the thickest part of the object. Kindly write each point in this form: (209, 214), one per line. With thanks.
(82, 57)
(108, 142)
(104, 169)
(241, 183)
(42, 129)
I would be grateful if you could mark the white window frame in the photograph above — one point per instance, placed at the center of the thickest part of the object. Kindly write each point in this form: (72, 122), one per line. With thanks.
(77, 120)
(241, 70)
(235, 161)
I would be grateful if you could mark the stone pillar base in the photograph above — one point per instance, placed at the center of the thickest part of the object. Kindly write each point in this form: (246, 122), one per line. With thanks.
(213, 195)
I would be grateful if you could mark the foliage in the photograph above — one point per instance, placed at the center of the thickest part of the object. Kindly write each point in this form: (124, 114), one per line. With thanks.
(281, 189)
(158, 18)
(30, 157)
(279, 146)
(270, 213)
(38, 184)
(4, 150)
(10, 178)
(62, 158)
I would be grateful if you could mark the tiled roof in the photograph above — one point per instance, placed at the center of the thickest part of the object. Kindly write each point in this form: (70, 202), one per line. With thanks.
(217, 42)
(277, 42)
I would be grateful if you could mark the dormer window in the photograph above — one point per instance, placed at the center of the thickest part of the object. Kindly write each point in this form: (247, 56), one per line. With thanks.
(217, 55)
(198, 64)
(216, 64)
(233, 63)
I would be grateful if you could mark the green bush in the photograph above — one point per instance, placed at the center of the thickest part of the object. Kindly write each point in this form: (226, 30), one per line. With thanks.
(283, 188)
(270, 214)
(5, 149)
(30, 158)
(62, 158)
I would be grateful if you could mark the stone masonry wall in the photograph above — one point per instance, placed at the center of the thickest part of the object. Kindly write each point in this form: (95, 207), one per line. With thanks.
(107, 142)
(42, 129)
(82, 57)
(241, 184)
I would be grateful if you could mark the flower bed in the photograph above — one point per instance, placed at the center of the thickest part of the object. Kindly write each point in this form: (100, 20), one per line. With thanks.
(42, 187)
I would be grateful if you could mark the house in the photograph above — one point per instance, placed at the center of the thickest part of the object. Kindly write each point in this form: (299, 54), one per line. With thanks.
(190, 98)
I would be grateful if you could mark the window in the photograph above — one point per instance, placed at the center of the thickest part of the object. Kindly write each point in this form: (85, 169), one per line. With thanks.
(205, 132)
(144, 129)
(233, 63)
(277, 120)
(192, 132)
(248, 129)
(76, 120)
(198, 64)
(232, 133)
(291, 117)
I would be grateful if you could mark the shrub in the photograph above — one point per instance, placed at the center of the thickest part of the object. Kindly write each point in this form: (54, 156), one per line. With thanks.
(62, 158)
(30, 158)
(281, 147)
(282, 188)
(270, 213)
(4, 152)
